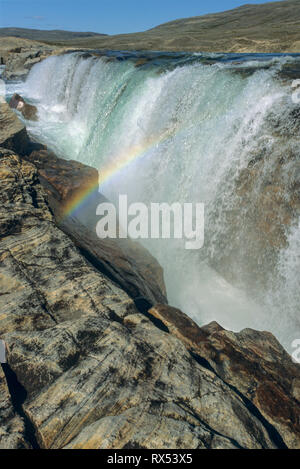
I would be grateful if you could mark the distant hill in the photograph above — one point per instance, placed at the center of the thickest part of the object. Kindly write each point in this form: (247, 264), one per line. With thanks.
(270, 27)
(46, 36)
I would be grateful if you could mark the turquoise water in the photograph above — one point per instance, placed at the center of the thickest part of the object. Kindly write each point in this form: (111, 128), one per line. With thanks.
(192, 123)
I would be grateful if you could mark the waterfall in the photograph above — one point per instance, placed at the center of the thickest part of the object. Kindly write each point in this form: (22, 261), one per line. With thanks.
(217, 129)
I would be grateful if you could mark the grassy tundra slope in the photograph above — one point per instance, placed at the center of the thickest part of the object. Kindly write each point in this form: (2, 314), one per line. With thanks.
(42, 35)
(271, 27)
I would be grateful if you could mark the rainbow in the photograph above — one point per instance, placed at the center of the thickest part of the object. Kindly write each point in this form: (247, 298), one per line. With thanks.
(120, 161)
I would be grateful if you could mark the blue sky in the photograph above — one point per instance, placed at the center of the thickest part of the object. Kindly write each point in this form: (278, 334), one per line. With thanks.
(105, 16)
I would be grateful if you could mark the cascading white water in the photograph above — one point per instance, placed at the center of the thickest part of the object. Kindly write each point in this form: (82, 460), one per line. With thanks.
(193, 130)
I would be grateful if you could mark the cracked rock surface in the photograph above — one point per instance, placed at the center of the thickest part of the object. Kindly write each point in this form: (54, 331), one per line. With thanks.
(13, 133)
(97, 373)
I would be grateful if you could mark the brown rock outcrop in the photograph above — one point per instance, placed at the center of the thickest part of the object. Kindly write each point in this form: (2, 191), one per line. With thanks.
(66, 177)
(98, 373)
(28, 111)
(13, 134)
(19, 61)
(253, 363)
(20, 54)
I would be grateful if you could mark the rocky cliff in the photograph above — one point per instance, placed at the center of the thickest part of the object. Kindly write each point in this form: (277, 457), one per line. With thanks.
(125, 262)
(89, 367)
(20, 54)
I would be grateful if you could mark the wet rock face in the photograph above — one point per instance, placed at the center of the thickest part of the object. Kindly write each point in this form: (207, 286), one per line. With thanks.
(125, 262)
(253, 363)
(96, 372)
(66, 177)
(19, 55)
(13, 134)
(28, 111)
